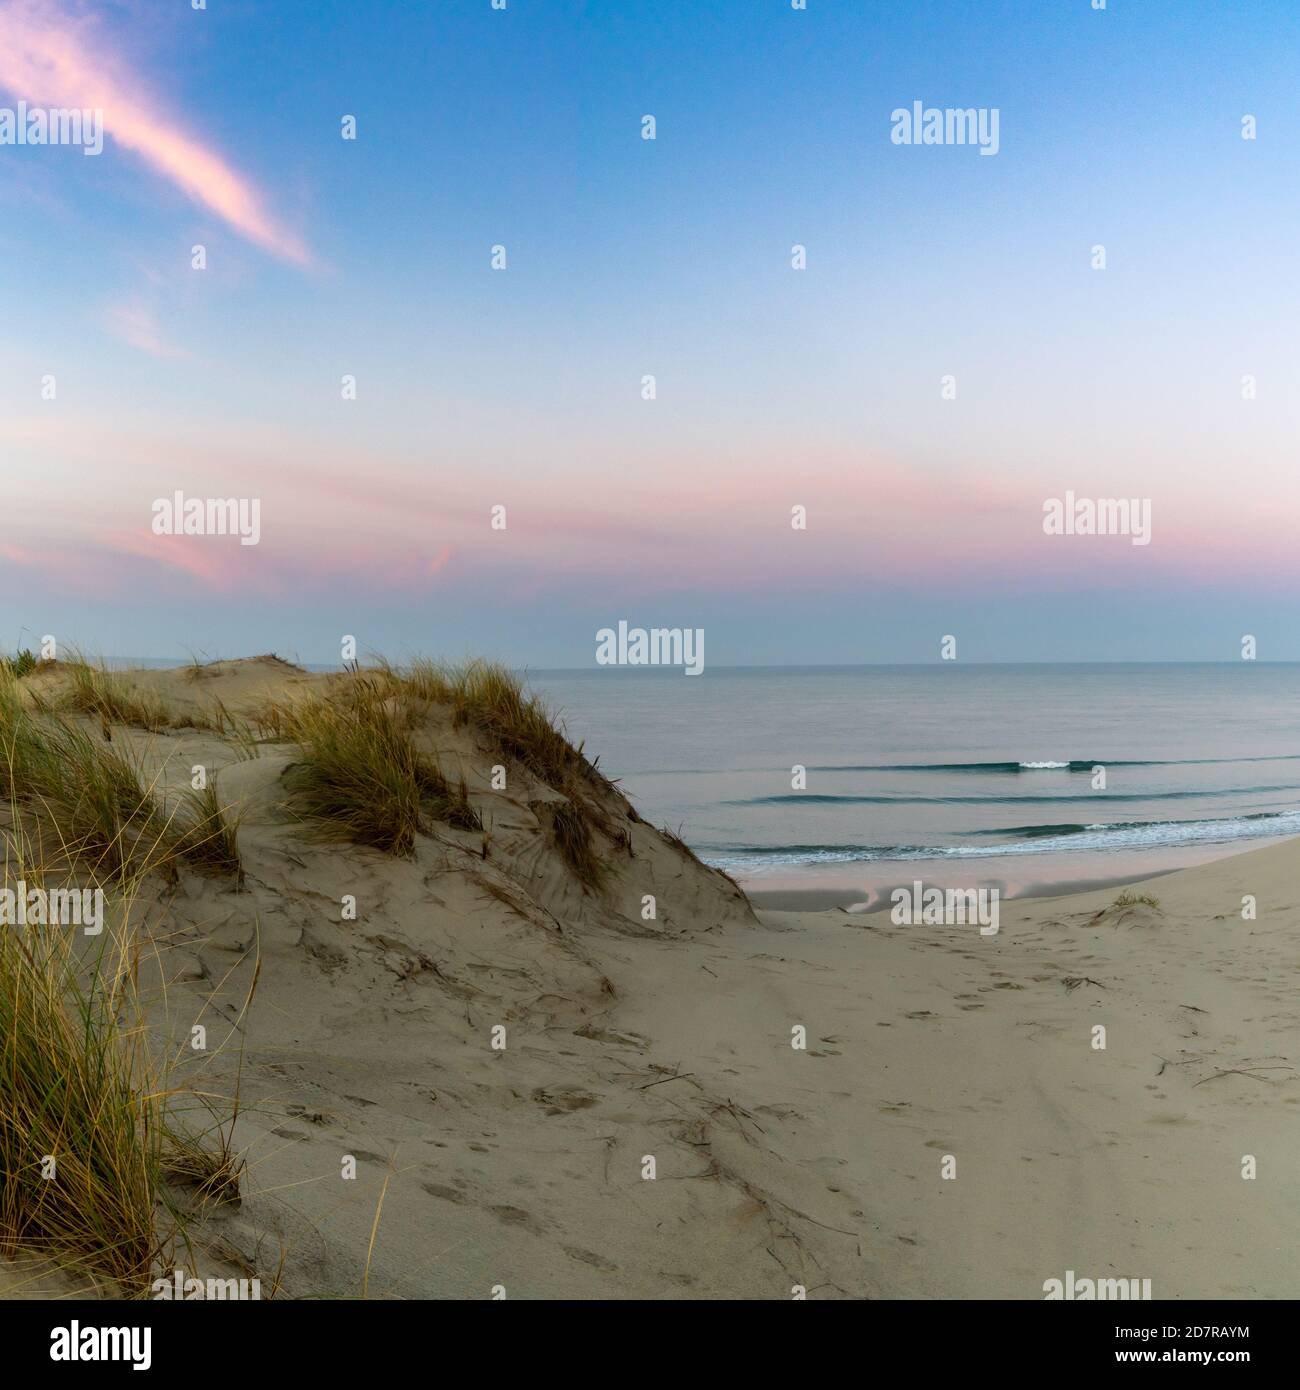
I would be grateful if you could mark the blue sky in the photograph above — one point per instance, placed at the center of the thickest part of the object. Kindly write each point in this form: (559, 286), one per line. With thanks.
(775, 387)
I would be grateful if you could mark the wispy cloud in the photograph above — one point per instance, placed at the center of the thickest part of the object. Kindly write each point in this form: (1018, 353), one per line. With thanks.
(136, 325)
(49, 56)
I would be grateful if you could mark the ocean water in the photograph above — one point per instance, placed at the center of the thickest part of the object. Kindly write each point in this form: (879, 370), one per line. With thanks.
(958, 775)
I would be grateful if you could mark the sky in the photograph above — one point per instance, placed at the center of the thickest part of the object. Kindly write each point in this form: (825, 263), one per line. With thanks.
(127, 374)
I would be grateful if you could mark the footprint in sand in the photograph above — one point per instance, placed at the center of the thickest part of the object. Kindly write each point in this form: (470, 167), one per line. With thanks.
(562, 1100)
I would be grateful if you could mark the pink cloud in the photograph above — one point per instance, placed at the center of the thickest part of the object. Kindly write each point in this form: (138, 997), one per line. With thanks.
(341, 520)
(439, 562)
(135, 324)
(48, 57)
(218, 566)
(61, 569)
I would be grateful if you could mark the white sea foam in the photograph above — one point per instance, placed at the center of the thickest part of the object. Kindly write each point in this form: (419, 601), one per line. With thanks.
(1148, 835)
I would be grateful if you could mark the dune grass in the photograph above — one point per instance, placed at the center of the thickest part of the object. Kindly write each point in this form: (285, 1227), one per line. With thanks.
(241, 734)
(270, 722)
(81, 1125)
(96, 798)
(91, 795)
(361, 778)
(571, 833)
(91, 1145)
(205, 1163)
(1130, 899)
(93, 799)
(519, 726)
(92, 1151)
(87, 1147)
(98, 692)
(211, 1175)
(21, 664)
(495, 702)
(206, 835)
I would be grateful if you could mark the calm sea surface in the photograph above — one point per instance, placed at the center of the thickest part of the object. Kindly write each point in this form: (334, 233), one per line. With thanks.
(957, 774)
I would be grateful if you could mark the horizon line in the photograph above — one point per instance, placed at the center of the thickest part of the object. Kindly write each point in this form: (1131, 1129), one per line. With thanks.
(595, 669)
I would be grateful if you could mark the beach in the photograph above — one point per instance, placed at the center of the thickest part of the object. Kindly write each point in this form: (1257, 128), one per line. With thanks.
(780, 1168)
(497, 1080)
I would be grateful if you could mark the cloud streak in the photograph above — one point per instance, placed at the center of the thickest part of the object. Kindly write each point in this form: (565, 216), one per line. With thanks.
(51, 58)
(136, 325)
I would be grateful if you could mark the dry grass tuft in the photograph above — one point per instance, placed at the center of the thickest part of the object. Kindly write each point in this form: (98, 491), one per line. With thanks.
(571, 832)
(211, 1171)
(519, 726)
(81, 1122)
(207, 836)
(92, 795)
(241, 734)
(1127, 899)
(494, 701)
(362, 779)
(98, 692)
(21, 664)
(89, 1147)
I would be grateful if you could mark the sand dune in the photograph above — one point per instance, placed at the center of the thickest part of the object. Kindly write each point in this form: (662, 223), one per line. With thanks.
(523, 1168)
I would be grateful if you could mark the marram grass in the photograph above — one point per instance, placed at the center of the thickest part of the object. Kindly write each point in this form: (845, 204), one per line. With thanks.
(21, 664)
(98, 692)
(92, 797)
(519, 726)
(87, 792)
(494, 701)
(81, 1107)
(361, 777)
(206, 835)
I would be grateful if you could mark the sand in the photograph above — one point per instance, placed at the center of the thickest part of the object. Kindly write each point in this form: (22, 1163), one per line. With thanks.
(522, 1171)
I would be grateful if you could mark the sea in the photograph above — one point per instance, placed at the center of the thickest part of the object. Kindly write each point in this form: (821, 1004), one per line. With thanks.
(1028, 778)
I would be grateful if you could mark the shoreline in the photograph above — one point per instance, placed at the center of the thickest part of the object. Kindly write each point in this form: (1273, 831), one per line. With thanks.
(824, 888)
(854, 904)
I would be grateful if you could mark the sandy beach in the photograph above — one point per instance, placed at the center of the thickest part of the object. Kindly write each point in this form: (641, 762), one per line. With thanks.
(548, 1092)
